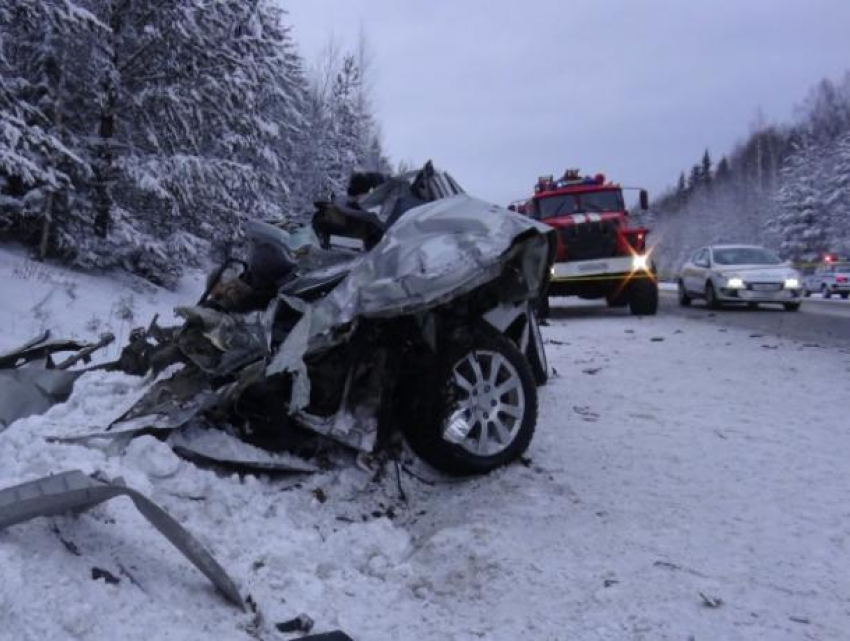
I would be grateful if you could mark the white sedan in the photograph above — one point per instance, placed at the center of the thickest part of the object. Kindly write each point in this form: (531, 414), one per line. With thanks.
(749, 274)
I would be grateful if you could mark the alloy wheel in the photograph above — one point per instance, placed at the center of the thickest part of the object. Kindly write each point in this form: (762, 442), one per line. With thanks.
(491, 404)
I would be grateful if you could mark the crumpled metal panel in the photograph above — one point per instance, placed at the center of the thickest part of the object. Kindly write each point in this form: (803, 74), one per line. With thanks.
(74, 491)
(32, 390)
(434, 253)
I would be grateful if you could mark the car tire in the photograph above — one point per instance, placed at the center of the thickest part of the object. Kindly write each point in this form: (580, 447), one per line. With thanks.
(448, 436)
(844, 295)
(825, 293)
(791, 307)
(711, 296)
(752, 305)
(535, 352)
(643, 297)
(684, 299)
(807, 293)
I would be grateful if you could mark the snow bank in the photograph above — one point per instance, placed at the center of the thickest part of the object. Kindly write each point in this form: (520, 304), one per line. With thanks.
(73, 304)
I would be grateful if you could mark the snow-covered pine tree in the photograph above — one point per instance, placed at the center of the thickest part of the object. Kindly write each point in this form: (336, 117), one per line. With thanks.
(343, 136)
(705, 173)
(800, 220)
(40, 159)
(137, 134)
(837, 195)
(197, 112)
(349, 128)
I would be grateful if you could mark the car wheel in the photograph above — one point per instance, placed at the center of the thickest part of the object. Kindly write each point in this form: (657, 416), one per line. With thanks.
(791, 307)
(844, 295)
(752, 305)
(824, 291)
(483, 410)
(684, 299)
(535, 352)
(711, 296)
(643, 297)
(807, 293)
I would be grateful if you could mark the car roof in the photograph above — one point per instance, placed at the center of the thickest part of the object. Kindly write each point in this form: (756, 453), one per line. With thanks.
(735, 247)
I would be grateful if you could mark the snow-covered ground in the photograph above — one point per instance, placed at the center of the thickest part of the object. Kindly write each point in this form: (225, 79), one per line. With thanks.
(71, 304)
(675, 464)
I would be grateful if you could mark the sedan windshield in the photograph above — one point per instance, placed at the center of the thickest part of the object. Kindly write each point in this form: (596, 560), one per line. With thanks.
(745, 256)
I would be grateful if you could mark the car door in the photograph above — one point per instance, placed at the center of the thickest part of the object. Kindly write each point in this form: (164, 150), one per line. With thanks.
(811, 280)
(693, 271)
(820, 278)
(829, 276)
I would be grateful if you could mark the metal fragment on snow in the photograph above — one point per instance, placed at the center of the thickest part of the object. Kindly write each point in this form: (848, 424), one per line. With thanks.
(27, 391)
(74, 491)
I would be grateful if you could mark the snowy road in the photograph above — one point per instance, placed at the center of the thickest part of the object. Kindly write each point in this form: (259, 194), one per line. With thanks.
(677, 463)
(825, 322)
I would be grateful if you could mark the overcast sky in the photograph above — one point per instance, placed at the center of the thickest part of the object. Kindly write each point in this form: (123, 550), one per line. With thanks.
(501, 91)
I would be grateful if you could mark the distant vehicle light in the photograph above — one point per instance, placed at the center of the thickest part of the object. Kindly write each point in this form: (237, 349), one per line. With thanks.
(735, 283)
(792, 283)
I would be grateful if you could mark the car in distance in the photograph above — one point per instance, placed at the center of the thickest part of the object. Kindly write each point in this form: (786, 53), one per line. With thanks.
(828, 279)
(749, 274)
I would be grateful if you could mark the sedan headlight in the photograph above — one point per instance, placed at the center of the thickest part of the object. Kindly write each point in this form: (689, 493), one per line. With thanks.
(735, 283)
(792, 283)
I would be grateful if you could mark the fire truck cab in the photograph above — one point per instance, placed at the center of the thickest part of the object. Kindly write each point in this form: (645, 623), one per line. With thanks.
(599, 254)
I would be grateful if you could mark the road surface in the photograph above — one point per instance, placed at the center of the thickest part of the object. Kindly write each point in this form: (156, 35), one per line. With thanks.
(824, 323)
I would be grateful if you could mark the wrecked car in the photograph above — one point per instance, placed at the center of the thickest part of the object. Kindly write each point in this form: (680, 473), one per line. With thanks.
(408, 309)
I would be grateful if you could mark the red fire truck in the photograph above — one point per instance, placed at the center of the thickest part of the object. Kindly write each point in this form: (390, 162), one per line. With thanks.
(600, 254)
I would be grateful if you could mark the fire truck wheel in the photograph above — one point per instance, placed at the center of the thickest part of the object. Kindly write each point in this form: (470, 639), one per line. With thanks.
(643, 297)
(684, 299)
(483, 411)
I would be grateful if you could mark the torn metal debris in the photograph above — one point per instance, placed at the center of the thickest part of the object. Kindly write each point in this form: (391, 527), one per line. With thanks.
(75, 492)
(31, 382)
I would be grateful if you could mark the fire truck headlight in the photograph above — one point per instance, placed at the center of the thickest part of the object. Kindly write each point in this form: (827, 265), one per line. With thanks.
(792, 283)
(735, 283)
(640, 262)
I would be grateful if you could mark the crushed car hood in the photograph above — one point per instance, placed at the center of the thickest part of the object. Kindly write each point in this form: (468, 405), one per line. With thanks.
(434, 253)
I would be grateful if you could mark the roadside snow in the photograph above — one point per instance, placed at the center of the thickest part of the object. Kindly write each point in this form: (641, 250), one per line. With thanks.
(73, 304)
(672, 458)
